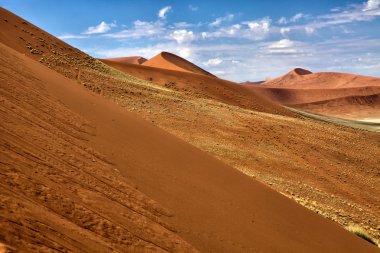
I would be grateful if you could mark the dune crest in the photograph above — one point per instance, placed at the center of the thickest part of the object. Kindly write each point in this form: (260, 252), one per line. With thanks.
(129, 59)
(166, 60)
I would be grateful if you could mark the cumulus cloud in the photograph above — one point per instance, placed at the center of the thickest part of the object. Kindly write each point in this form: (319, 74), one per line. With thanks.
(182, 36)
(260, 26)
(103, 27)
(163, 12)
(282, 46)
(213, 62)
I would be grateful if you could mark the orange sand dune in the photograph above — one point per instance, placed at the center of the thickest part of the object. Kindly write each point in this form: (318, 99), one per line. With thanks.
(202, 85)
(171, 61)
(290, 96)
(326, 92)
(211, 205)
(304, 79)
(130, 59)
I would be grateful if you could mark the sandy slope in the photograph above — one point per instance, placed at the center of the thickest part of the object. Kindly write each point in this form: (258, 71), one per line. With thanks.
(213, 206)
(59, 193)
(329, 93)
(166, 60)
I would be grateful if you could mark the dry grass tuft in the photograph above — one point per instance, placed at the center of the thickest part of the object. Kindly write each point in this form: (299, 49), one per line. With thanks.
(357, 230)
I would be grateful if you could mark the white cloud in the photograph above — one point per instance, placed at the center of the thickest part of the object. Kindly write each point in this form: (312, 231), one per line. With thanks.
(297, 17)
(309, 30)
(219, 72)
(185, 52)
(259, 29)
(182, 36)
(293, 19)
(251, 30)
(72, 36)
(284, 43)
(371, 5)
(282, 20)
(284, 30)
(103, 27)
(220, 20)
(163, 12)
(141, 29)
(213, 62)
(193, 8)
(338, 16)
(284, 46)
(182, 25)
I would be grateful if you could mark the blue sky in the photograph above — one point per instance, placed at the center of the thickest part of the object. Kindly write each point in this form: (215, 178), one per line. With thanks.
(236, 40)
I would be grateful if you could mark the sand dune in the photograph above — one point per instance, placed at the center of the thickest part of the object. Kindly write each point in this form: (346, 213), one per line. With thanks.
(166, 60)
(304, 79)
(131, 59)
(83, 174)
(329, 93)
(202, 85)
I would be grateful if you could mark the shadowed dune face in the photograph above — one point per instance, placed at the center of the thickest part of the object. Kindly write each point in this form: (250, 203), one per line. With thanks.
(302, 72)
(329, 93)
(171, 61)
(197, 198)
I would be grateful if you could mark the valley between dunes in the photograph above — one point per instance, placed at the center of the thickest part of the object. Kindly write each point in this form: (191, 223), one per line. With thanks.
(149, 159)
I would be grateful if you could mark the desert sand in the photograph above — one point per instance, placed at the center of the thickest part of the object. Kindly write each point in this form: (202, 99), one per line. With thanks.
(87, 164)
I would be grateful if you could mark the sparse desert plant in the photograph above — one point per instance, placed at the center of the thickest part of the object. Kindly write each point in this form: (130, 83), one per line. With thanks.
(359, 231)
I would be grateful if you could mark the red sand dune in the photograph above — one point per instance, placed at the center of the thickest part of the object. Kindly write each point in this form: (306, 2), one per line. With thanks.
(304, 79)
(171, 61)
(202, 85)
(77, 170)
(328, 93)
(290, 96)
(130, 59)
